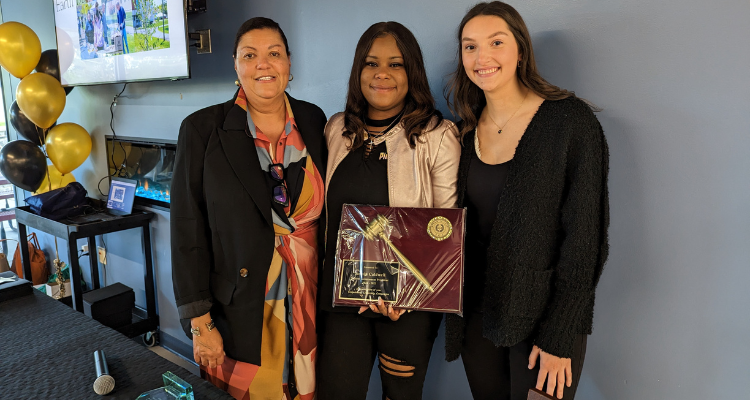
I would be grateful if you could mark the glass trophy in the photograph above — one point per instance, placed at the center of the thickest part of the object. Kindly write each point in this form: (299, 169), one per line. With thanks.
(174, 389)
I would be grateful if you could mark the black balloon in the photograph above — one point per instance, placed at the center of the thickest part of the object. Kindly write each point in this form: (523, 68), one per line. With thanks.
(50, 65)
(25, 127)
(23, 164)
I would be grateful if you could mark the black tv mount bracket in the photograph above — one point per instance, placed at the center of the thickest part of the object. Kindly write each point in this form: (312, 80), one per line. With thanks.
(196, 6)
(203, 38)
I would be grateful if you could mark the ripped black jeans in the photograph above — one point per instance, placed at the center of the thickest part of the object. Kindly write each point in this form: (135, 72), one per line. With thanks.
(348, 344)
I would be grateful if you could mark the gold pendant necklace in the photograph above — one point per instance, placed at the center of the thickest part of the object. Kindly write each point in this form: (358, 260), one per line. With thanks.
(371, 143)
(511, 117)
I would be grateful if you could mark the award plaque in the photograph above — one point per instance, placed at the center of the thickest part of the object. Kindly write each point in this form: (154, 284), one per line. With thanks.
(411, 258)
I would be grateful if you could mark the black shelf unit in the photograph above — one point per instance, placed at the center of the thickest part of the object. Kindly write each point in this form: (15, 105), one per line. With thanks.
(144, 321)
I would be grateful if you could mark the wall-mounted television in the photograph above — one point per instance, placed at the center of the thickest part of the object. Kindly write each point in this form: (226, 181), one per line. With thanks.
(114, 41)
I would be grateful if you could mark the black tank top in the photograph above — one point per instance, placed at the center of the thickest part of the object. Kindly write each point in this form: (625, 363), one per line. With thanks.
(484, 187)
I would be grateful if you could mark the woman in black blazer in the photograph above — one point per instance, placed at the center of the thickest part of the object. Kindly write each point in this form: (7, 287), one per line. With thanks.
(247, 193)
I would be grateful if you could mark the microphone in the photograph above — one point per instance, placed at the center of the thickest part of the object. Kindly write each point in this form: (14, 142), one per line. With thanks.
(104, 383)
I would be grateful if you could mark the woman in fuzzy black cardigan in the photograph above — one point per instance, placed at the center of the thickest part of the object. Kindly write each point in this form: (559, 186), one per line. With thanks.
(533, 176)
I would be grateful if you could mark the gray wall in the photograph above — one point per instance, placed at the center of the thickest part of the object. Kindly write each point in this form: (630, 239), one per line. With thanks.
(671, 78)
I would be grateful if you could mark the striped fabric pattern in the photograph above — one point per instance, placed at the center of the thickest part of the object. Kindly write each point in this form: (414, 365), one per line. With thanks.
(289, 343)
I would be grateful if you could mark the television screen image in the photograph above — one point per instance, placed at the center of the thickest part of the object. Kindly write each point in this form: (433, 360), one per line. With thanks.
(109, 41)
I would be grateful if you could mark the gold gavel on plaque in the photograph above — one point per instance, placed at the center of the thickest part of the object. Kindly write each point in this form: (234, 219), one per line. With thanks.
(376, 230)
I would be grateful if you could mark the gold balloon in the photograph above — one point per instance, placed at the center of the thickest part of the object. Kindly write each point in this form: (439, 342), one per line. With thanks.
(57, 180)
(41, 98)
(68, 146)
(20, 48)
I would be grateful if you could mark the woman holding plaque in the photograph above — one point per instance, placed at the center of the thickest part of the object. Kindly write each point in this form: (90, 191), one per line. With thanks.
(389, 147)
(247, 193)
(533, 176)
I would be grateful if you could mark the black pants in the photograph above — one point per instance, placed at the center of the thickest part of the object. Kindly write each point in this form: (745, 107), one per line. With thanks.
(502, 373)
(348, 344)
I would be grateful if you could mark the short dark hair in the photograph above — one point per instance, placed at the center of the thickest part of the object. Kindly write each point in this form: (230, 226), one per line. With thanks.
(420, 105)
(259, 23)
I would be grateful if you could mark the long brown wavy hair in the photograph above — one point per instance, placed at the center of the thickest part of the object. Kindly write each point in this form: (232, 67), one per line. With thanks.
(465, 99)
(420, 105)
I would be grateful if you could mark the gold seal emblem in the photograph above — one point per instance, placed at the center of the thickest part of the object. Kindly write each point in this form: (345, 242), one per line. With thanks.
(439, 228)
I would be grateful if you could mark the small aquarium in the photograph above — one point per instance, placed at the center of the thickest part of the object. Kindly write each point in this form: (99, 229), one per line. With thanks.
(147, 161)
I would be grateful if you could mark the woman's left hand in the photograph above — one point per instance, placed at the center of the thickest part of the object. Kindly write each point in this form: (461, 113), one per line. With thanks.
(555, 370)
(393, 313)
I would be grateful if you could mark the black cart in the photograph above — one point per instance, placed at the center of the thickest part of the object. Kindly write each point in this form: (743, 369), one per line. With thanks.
(144, 322)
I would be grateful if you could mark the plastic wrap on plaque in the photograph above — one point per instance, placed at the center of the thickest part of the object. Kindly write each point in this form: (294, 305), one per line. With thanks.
(412, 258)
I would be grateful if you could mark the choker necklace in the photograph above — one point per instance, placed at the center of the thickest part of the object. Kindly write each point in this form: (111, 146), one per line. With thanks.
(391, 122)
(379, 123)
(511, 117)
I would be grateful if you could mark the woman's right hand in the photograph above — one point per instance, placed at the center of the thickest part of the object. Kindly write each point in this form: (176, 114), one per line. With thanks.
(393, 313)
(208, 348)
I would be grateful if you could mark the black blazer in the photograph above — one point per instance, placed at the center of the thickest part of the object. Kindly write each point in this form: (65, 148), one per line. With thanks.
(221, 227)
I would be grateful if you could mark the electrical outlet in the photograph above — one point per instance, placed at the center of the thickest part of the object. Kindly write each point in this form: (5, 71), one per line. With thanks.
(102, 255)
(85, 248)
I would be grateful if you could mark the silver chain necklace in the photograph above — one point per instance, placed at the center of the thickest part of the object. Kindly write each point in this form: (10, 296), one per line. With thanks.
(375, 135)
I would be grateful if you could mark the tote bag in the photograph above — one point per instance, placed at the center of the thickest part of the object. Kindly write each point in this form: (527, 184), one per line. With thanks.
(39, 272)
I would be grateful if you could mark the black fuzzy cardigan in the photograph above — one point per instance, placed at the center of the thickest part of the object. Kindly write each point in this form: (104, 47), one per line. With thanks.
(549, 240)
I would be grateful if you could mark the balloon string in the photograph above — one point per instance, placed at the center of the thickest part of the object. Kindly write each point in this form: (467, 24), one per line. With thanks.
(41, 135)
(44, 150)
(43, 146)
(49, 183)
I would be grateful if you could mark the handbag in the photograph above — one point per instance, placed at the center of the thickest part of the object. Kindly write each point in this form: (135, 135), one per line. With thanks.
(38, 261)
(4, 266)
(57, 204)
